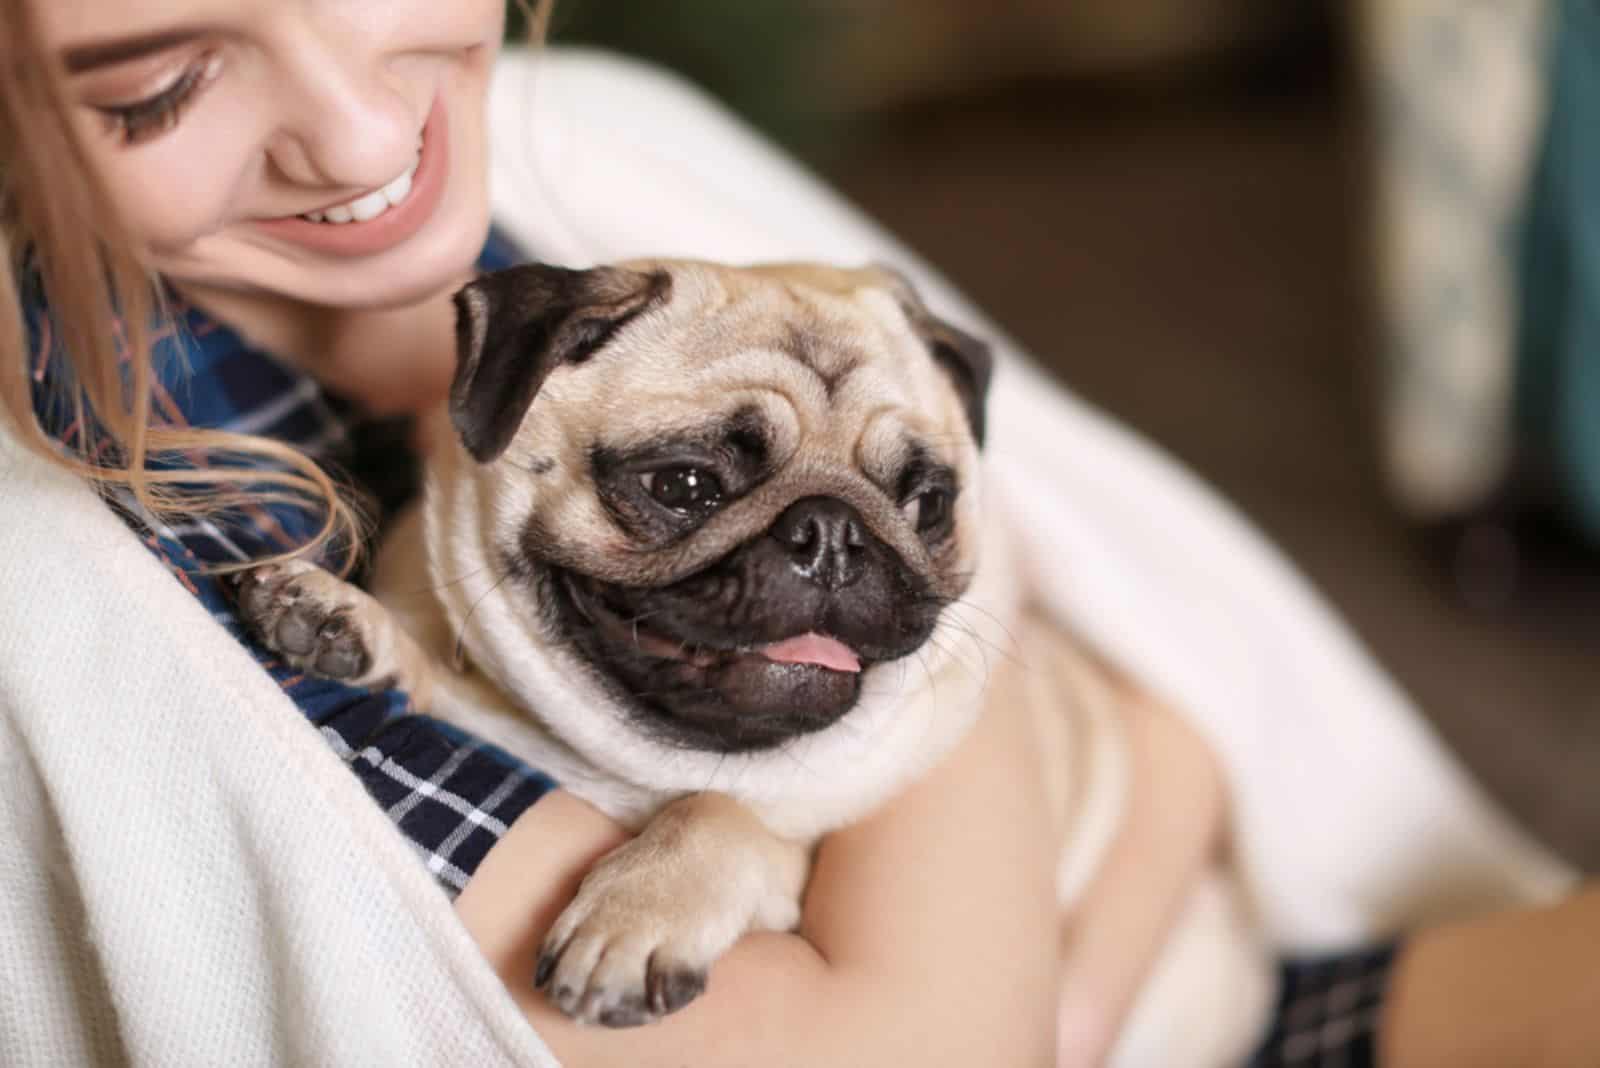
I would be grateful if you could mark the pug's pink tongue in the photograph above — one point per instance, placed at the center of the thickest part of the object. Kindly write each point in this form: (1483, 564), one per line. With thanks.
(813, 649)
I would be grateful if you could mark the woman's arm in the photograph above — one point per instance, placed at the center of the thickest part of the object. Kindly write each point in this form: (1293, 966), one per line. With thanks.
(929, 934)
(1517, 987)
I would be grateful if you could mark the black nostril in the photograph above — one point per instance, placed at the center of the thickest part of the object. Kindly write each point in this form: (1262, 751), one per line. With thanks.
(801, 535)
(825, 538)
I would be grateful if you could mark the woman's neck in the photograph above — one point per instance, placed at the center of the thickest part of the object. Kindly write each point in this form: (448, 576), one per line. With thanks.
(389, 360)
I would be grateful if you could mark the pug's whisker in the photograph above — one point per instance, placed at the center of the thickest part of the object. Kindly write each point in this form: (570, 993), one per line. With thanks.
(435, 588)
(458, 653)
(1012, 651)
(981, 674)
(690, 691)
(634, 624)
(787, 750)
(933, 696)
(922, 658)
(973, 606)
(716, 770)
(901, 667)
(958, 639)
(969, 635)
(642, 616)
(972, 630)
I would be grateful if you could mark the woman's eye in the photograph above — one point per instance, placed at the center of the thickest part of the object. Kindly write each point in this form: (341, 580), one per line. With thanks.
(927, 509)
(686, 490)
(155, 115)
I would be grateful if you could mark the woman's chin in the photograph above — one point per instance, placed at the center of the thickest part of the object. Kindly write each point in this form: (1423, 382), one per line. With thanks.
(431, 265)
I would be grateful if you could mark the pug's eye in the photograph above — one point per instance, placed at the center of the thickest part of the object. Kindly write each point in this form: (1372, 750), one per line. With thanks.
(685, 490)
(927, 509)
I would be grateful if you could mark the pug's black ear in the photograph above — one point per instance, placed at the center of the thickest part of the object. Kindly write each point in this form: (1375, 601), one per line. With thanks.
(514, 327)
(966, 359)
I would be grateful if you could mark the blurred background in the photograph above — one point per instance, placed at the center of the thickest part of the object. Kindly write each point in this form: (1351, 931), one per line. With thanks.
(1332, 256)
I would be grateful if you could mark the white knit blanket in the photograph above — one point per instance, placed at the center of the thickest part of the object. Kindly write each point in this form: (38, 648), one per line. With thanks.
(192, 877)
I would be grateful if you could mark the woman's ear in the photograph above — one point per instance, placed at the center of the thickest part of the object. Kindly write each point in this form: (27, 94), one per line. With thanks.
(514, 327)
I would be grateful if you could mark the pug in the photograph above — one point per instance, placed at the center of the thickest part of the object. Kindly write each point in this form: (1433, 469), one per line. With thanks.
(703, 543)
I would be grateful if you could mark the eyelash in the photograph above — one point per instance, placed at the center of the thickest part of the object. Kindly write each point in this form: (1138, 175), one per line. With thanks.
(155, 115)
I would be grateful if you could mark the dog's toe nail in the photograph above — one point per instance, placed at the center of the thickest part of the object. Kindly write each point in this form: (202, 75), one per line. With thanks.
(548, 959)
(591, 1005)
(628, 1012)
(670, 989)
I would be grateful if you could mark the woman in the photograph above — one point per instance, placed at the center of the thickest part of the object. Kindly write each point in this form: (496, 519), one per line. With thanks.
(307, 180)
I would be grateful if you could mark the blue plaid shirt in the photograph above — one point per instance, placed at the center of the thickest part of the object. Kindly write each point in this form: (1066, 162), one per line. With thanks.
(450, 794)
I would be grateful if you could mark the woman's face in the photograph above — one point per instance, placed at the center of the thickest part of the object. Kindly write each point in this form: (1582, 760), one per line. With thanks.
(328, 151)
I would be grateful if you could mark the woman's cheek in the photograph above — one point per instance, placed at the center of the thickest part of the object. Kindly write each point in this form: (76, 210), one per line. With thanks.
(182, 186)
(461, 24)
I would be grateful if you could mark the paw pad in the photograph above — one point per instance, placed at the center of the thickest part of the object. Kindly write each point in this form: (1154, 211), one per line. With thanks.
(302, 613)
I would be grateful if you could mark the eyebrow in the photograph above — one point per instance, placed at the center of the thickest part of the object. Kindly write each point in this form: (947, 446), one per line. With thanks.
(94, 54)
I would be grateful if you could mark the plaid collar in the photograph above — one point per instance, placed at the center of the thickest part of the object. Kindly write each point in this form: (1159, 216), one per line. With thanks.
(208, 375)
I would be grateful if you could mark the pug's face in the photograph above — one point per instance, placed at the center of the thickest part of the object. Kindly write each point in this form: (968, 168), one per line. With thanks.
(731, 495)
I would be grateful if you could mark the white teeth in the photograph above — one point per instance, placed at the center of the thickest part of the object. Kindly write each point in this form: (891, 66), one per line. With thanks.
(370, 205)
(397, 190)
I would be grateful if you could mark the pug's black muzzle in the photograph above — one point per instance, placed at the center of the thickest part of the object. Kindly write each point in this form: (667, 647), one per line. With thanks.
(695, 659)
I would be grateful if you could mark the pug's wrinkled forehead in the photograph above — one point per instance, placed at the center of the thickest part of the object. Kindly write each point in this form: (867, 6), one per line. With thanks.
(730, 391)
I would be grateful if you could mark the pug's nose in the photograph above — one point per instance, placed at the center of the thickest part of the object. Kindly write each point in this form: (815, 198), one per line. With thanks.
(826, 540)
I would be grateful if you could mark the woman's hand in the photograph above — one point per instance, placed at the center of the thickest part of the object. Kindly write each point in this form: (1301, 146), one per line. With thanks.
(929, 936)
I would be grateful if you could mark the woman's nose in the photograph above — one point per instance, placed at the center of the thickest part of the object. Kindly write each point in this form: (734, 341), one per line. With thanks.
(348, 123)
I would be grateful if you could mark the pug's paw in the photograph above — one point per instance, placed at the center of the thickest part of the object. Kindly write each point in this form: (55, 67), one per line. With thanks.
(640, 937)
(310, 617)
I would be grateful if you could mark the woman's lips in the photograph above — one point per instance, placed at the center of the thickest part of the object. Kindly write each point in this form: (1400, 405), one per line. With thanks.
(394, 225)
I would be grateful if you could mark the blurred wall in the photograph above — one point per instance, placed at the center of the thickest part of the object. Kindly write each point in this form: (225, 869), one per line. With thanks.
(810, 72)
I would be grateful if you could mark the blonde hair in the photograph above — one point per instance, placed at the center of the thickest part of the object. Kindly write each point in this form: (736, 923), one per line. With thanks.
(58, 222)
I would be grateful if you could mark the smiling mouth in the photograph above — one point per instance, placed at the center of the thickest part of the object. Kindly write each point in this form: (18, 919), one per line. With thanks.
(371, 205)
(379, 219)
